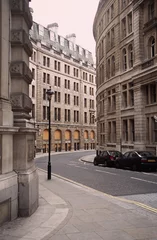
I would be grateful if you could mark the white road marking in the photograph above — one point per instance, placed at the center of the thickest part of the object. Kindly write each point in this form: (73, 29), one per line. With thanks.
(106, 172)
(143, 180)
(74, 165)
(150, 174)
(81, 167)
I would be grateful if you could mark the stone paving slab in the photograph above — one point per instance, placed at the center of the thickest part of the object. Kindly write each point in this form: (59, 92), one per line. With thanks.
(74, 212)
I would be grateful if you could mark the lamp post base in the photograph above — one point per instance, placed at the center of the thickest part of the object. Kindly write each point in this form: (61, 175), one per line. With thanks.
(49, 171)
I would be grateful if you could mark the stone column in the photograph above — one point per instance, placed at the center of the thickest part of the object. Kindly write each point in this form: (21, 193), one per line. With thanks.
(21, 77)
(139, 118)
(8, 178)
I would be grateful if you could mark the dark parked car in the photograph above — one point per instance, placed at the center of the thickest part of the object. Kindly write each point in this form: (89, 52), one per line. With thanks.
(107, 158)
(136, 160)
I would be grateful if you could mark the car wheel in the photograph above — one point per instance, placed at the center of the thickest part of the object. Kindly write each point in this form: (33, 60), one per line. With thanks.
(105, 164)
(134, 167)
(153, 169)
(117, 164)
(95, 162)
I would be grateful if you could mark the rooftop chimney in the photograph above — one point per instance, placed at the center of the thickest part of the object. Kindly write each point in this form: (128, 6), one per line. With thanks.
(53, 27)
(71, 37)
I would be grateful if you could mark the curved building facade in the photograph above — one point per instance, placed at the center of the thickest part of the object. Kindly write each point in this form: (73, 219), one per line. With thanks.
(126, 63)
(67, 68)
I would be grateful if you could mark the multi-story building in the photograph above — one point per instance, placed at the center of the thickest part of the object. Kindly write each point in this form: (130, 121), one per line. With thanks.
(67, 68)
(126, 54)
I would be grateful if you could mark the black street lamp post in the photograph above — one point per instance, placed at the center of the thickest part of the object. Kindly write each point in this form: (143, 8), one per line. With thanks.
(49, 93)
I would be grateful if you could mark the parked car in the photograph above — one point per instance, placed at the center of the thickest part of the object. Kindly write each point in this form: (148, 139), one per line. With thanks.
(136, 160)
(107, 158)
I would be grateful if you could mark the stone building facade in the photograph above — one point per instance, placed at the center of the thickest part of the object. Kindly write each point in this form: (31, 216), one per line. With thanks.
(18, 175)
(126, 54)
(67, 68)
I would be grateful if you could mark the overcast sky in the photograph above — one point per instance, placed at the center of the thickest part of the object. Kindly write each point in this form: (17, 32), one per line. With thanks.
(72, 16)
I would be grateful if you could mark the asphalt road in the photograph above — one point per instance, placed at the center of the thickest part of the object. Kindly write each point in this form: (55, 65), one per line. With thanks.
(116, 182)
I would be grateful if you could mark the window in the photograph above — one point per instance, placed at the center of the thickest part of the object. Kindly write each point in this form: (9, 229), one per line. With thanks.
(44, 60)
(151, 93)
(132, 130)
(33, 110)
(151, 49)
(41, 30)
(124, 55)
(67, 115)
(44, 112)
(128, 95)
(33, 91)
(76, 116)
(112, 37)
(85, 117)
(111, 100)
(48, 62)
(108, 16)
(85, 89)
(33, 73)
(151, 10)
(130, 22)
(125, 130)
(48, 78)
(44, 94)
(85, 102)
(124, 3)
(57, 97)
(57, 114)
(108, 41)
(130, 50)
(108, 69)
(57, 81)
(44, 77)
(123, 27)
(113, 66)
(112, 11)
(57, 65)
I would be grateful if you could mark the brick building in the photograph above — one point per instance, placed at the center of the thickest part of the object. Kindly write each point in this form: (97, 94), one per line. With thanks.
(67, 68)
(126, 54)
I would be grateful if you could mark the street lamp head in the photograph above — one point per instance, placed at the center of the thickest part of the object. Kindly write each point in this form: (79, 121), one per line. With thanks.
(49, 93)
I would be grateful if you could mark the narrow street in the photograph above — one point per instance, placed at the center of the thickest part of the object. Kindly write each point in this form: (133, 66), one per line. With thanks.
(139, 186)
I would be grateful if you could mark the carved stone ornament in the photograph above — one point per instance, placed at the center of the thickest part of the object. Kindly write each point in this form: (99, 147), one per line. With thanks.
(21, 102)
(19, 38)
(20, 70)
(21, 7)
(16, 4)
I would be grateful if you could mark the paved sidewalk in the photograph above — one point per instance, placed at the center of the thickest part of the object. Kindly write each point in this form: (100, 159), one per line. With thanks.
(70, 211)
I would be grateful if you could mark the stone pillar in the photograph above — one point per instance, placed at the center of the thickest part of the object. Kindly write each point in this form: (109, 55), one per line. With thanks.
(21, 77)
(8, 178)
(139, 118)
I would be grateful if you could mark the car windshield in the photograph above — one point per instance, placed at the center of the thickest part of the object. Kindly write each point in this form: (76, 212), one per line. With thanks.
(145, 154)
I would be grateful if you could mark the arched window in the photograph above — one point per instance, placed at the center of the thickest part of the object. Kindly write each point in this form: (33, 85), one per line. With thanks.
(130, 49)
(113, 66)
(151, 47)
(124, 55)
